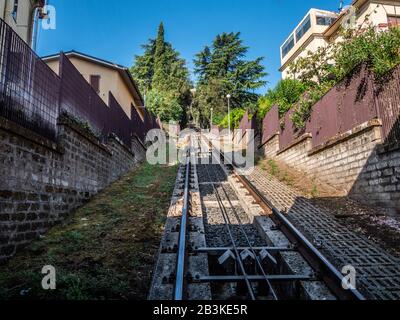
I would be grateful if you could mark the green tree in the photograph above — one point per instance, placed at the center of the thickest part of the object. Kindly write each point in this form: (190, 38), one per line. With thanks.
(235, 117)
(143, 69)
(286, 93)
(164, 77)
(379, 50)
(202, 61)
(221, 69)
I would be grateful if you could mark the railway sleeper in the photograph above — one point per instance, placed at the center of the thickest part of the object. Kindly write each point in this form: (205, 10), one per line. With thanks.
(281, 262)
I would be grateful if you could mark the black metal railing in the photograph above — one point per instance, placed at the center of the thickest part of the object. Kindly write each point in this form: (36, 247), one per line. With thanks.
(34, 96)
(29, 89)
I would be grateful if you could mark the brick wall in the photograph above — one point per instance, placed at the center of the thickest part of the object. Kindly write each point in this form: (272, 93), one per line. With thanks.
(379, 180)
(353, 162)
(296, 153)
(41, 182)
(271, 147)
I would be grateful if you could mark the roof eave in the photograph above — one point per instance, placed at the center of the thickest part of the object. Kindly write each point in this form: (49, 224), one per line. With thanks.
(124, 71)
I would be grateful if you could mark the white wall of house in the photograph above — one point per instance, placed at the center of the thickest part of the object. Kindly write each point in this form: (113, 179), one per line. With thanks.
(19, 15)
(377, 12)
(312, 45)
(368, 12)
(310, 41)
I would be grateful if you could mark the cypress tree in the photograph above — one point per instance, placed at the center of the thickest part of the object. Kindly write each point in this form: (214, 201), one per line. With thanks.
(165, 77)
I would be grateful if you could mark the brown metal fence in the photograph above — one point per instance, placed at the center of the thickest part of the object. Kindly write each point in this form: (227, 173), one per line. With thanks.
(388, 103)
(78, 98)
(350, 103)
(120, 124)
(138, 127)
(29, 89)
(32, 95)
(270, 124)
(245, 123)
(249, 124)
(288, 132)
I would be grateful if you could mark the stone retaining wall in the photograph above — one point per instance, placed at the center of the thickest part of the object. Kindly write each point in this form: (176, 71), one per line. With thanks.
(41, 182)
(353, 162)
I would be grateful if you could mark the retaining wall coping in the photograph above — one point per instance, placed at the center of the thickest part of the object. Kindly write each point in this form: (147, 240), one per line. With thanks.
(116, 139)
(30, 135)
(89, 137)
(295, 142)
(140, 141)
(269, 139)
(346, 135)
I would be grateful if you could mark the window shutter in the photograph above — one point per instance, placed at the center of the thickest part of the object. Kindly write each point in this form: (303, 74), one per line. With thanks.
(95, 83)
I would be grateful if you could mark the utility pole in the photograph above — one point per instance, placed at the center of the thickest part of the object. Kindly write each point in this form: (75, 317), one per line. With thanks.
(229, 114)
(341, 5)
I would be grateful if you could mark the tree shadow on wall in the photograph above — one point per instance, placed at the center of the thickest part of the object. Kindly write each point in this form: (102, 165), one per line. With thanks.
(378, 184)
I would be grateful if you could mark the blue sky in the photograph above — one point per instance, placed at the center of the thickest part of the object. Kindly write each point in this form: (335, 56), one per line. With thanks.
(115, 30)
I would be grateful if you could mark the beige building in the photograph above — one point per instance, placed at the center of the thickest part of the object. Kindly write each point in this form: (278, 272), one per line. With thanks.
(318, 27)
(20, 15)
(307, 36)
(104, 77)
(381, 14)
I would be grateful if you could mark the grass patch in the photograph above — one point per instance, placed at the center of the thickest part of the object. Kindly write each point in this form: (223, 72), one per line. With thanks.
(281, 174)
(106, 250)
(314, 191)
(273, 168)
(302, 182)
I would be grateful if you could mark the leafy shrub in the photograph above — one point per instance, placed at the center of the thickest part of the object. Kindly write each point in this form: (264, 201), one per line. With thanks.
(304, 108)
(165, 105)
(236, 117)
(286, 93)
(380, 50)
(217, 119)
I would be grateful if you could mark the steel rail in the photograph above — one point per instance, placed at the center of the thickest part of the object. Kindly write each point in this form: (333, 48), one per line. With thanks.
(264, 274)
(251, 247)
(224, 249)
(327, 272)
(235, 248)
(181, 260)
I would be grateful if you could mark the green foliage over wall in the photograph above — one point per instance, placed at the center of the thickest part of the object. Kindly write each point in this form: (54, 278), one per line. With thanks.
(380, 50)
(235, 116)
(320, 71)
(286, 93)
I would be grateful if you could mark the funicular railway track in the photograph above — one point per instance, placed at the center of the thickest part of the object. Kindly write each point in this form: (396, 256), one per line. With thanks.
(240, 263)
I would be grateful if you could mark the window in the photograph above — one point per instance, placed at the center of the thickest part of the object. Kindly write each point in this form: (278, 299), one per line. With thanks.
(14, 13)
(287, 46)
(304, 27)
(95, 82)
(325, 20)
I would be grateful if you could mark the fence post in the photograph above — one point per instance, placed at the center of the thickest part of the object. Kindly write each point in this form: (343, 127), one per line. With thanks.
(60, 74)
(376, 101)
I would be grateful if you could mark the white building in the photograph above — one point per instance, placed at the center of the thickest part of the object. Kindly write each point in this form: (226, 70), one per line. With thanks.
(319, 27)
(20, 15)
